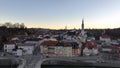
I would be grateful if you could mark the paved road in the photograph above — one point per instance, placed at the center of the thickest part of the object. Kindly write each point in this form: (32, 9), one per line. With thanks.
(35, 61)
(31, 61)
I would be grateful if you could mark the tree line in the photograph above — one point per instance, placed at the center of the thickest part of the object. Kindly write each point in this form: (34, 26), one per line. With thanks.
(11, 25)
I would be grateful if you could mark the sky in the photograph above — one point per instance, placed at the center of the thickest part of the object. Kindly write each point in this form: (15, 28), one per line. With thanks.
(56, 14)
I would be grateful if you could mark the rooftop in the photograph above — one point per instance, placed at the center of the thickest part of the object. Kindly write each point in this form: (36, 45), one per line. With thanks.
(25, 44)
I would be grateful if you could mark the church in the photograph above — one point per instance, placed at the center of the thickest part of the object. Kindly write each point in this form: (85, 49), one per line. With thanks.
(83, 35)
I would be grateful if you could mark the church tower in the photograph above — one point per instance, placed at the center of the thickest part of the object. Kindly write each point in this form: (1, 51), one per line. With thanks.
(83, 35)
(82, 24)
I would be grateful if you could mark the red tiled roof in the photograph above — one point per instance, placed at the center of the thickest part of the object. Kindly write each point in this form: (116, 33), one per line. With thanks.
(49, 42)
(67, 44)
(90, 45)
(115, 47)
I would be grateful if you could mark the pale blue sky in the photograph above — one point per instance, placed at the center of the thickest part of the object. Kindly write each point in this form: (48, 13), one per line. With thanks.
(57, 14)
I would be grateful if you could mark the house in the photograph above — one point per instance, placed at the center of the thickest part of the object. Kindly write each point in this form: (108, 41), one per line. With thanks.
(27, 48)
(15, 38)
(9, 46)
(91, 45)
(105, 38)
(114, 42)
(65, 51)
(90, 48)
(35, 41)
(40, 36)
(89, 52)
(90, 38)
(54, 48)
(19, 38)
(19, 52)
(48, 45)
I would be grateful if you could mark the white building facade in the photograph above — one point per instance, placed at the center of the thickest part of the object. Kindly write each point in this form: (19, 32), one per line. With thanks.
(27, 48)
(9, 47)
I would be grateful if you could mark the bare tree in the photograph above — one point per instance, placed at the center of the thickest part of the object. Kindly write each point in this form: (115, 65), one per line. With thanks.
(22, 25)
(8, 24)
(16, 25)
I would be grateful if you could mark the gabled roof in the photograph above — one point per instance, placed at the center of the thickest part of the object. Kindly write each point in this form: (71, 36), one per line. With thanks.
(90, 45)
(33, 39)
(10, 42)
(25, 44)
(49, 42)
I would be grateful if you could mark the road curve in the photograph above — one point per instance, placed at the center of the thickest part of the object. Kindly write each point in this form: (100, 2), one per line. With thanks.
(23, 63)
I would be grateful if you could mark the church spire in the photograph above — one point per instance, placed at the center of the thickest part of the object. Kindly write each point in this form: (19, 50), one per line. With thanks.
(83, 33)
(83, 24)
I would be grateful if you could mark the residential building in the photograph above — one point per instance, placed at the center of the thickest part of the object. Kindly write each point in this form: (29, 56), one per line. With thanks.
(35, 41)
(9, 46)
(105, 38)
(27, 48)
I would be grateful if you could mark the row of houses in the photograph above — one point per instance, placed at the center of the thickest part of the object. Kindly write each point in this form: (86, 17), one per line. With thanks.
(21, 48)
(65, 44)
(60, 48)
(67, 48)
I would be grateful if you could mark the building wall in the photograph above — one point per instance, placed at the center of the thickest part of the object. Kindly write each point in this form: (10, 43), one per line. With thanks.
(57, 50)
(19, 52)
(105, 39)
(28, 49)
(9, 47)
(51, 49)
(67, 51)
(41, 49)
(34, 42)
